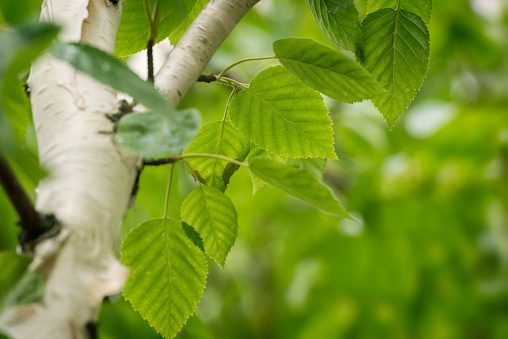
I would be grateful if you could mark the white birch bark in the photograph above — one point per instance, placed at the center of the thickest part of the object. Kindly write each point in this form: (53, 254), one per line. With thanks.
(91, 178)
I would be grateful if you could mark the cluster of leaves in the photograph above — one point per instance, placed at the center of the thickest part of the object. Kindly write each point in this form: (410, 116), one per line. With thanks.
(271, 126)
(277, 127)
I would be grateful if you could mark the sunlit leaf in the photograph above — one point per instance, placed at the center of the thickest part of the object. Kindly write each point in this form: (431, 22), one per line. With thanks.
(135, 28)
(422, 8)
(156, 133)
(281, 114)
(397, 54)
(338, 20)
(326, 70)
(217, 138)
(168, 274)
(111, 71)
(298, 183)
(214, 217)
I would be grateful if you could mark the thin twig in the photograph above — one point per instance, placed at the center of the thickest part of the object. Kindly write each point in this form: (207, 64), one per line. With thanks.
(149, 54)
(173, 159)
(221, 74)
(208, 78)
(158, 162)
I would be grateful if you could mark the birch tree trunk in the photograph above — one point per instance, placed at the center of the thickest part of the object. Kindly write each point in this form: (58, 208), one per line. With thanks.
(91, 178)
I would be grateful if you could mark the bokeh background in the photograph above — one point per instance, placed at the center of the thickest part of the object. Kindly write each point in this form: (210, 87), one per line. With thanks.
(430, 256)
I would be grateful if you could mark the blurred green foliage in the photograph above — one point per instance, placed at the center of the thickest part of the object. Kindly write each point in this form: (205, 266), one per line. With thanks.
(430, 257)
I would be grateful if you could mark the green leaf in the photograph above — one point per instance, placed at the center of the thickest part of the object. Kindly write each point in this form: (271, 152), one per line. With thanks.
(298, 183)
(279, 113)
(326, 70)
(315, 167)
(193, 236)
(134, 27)
(255, 151)
(228, 172)
(397, 54)
(111, 71)
(214, 217)
(422, 8)
(217, 138)
(338, 20)
(176, 34)
(155, 134)
(168, 274)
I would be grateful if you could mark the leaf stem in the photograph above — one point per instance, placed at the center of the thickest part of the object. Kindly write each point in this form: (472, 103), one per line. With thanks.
(242, 61)
(168, 190)
(234, 83)
(223, 124)
(216, 156)
(227, 106)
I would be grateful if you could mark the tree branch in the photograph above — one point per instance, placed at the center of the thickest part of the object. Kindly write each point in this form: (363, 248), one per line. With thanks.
(30, 219)
(162, 161)
(197, 46)
(208, 78)
(149, 57)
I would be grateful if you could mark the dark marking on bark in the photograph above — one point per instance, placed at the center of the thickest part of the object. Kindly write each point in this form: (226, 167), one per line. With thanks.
(27, 90)
(179, 93)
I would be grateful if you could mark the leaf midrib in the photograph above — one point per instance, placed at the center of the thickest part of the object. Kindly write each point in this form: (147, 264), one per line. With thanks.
(168, 253)
(280, 114)
(205, 202)
(324, 69)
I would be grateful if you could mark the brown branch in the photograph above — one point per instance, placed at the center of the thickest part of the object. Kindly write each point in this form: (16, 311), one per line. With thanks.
(208, 78)
(197, 46)
(162, 161)
(149, 55)
(30, 219)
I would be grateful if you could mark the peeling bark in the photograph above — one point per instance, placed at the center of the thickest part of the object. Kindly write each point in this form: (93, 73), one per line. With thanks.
(91, 179)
